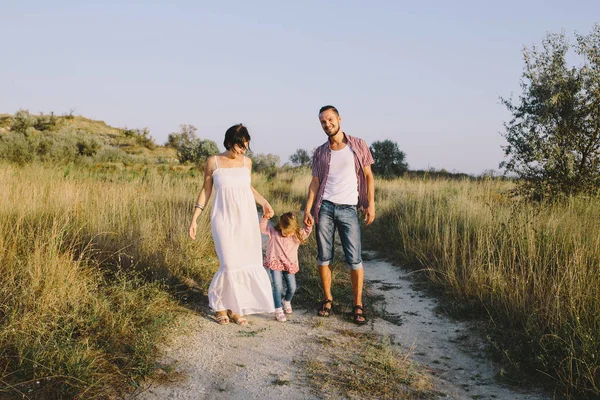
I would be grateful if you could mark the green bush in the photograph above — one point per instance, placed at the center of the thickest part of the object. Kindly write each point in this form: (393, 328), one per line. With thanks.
(17, 149)
(22, 121)
(87, 147)
(46, 122)
(141, 137)
(189, 147)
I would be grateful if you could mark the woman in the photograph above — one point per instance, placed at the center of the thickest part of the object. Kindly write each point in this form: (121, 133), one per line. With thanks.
(241, 286)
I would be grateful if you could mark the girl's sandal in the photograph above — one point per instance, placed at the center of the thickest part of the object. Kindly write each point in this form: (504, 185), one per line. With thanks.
(358, 318)
(280, 316)
(222, 319)
(287, 307)
(237, 319)
(325, 311)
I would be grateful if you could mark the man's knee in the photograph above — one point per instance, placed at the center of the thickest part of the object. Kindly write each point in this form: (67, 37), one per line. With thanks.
(356, 266)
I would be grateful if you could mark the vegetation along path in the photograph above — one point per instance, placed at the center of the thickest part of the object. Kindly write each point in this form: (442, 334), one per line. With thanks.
(305, 357)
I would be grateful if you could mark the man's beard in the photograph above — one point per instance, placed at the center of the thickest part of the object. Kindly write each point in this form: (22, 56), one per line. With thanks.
(332, 133)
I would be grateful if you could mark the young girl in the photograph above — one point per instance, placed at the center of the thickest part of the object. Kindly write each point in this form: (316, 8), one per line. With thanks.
(282, 258)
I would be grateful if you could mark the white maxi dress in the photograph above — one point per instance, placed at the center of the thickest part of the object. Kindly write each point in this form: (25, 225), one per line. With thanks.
(241, 284)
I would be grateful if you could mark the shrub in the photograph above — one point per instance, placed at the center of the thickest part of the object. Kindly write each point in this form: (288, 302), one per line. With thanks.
(22, 122)
(189, 147)
(87, 147)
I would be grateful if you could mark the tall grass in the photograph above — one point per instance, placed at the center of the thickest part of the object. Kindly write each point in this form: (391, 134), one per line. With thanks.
(95, 266)
(90, 262)
(533, 269)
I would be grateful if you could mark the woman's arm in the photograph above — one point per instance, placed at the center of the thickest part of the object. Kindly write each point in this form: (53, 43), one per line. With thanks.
(203, 197)
(259, 199)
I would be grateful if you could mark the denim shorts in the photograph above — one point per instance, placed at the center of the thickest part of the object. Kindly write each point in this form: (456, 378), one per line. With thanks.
(344, 219)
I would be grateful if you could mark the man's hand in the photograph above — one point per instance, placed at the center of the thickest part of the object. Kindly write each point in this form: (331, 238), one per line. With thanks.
(370, 214)
(308, 219)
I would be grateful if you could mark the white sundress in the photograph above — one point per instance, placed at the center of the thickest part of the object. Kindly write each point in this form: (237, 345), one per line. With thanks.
(241, 284)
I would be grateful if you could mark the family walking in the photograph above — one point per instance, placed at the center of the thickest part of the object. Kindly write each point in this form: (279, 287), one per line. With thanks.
(342, 184)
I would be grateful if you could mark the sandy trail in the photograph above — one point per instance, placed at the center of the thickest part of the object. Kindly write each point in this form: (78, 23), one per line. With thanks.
(263, 360)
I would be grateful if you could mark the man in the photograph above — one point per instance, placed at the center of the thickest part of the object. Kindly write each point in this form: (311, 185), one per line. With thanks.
(342, 184)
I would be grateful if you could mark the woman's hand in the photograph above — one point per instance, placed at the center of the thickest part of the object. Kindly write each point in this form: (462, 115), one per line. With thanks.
(192, 230)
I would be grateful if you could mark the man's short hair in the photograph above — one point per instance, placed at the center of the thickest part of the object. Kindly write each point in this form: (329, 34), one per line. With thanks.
(329, 107)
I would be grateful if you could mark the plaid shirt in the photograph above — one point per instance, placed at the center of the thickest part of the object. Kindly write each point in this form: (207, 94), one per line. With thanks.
(320, 169)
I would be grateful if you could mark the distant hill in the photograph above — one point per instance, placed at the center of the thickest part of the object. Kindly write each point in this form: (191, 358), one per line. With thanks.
(26, 137)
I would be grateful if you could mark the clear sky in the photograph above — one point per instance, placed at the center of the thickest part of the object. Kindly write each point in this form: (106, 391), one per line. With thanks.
(425, 74)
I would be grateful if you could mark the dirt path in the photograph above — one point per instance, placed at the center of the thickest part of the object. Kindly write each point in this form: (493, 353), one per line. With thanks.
(264, 360)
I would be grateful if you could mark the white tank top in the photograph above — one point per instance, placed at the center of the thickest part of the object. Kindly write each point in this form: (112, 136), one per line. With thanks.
(342, 185)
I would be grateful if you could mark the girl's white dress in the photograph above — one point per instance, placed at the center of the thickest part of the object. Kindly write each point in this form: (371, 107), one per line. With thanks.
(241, 284)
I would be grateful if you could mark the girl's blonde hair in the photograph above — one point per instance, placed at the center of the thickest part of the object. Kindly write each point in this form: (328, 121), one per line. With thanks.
(288, 224)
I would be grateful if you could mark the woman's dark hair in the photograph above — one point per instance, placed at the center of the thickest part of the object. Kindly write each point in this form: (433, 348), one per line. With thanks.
(237, 134)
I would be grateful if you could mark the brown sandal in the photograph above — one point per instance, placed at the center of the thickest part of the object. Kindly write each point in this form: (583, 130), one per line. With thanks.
(358, 318)
(222, 319)
(237, 318)
(323, 310)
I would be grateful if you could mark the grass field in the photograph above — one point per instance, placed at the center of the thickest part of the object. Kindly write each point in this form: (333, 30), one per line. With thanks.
(97, 266)
(531, 270)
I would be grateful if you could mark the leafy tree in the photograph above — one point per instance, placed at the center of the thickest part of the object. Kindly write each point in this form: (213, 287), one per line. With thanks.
(265, 163)
(189, 147)
(184, 137)
(554, 134)
(204, 149)
(301, 158)
(389, 159)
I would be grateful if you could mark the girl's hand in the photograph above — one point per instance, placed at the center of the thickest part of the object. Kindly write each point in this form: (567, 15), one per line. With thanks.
(192, 230)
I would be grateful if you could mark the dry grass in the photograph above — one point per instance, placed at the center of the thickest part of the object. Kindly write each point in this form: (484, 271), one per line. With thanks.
(364, 366)
(532, 268)
(96, 263)
(89, 265)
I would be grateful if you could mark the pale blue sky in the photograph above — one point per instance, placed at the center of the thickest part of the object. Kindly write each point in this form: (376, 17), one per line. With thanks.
(425, 74)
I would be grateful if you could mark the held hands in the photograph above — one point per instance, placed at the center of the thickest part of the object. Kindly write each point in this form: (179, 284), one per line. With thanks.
(268, 210)
(308, 219)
